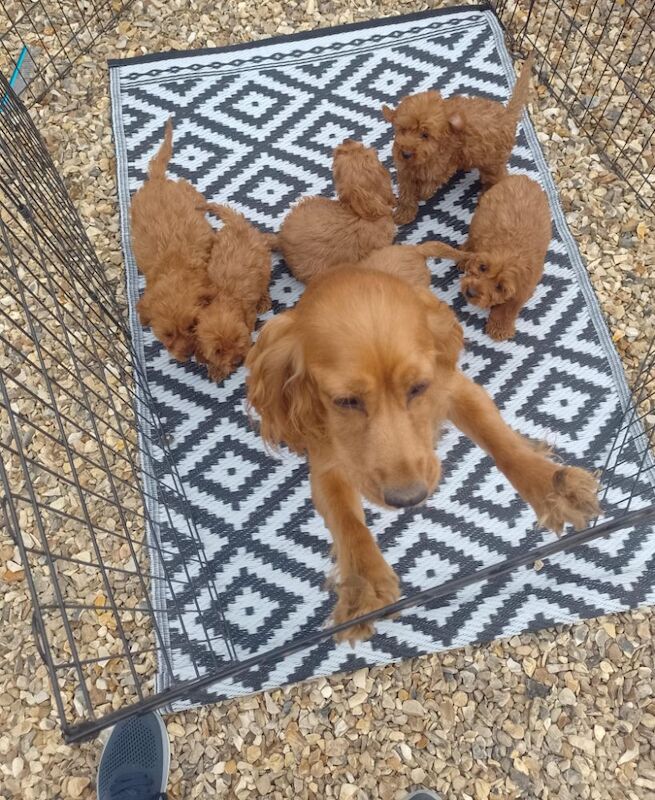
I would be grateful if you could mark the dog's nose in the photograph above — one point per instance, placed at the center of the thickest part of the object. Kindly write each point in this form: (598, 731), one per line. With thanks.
(405, 496)
(471, 293)
(407, 154)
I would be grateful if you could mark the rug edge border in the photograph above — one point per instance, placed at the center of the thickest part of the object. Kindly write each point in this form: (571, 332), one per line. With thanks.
(116, 63)
(163, 678)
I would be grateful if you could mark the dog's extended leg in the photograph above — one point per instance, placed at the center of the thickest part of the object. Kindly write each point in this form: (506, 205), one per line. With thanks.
(501, 324)
(558, 494)
(365, 581)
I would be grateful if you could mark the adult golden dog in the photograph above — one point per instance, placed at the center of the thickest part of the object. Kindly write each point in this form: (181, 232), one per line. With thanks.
(360, 376)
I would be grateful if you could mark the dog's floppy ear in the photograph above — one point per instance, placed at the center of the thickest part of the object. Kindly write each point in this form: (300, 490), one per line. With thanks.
(388, 113)
(279, 388)
(445, 329)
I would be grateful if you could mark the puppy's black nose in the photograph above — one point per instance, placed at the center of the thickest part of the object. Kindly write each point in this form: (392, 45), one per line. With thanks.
(407, 154)
(471, 293)
(405, 496)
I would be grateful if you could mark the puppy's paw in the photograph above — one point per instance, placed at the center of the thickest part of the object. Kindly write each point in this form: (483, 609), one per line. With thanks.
(500, 330)
(144, 316)
(427, 190)
(360, 593)
(403, 215)
(264, 303)
(572, 499)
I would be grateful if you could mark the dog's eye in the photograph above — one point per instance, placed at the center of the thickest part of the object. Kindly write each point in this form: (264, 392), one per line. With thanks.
(350, 403)
(499, 287)
(482, 267)
(417, 389)
(425, 135)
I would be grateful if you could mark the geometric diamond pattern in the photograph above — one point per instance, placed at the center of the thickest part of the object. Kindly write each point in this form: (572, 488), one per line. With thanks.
(255, 126)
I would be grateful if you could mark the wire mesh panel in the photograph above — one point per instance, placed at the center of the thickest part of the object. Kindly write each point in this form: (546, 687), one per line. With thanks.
(73, 500)
(72, 398)
(598, 61)
(40, 40)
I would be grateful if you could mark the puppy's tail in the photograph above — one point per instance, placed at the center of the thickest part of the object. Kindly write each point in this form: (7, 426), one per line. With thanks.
(521, 88)
(226, 214)
(157, 167)
(439, 250)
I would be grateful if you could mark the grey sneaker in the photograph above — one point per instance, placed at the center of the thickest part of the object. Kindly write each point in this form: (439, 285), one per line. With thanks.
(135, 760)
(422, 794)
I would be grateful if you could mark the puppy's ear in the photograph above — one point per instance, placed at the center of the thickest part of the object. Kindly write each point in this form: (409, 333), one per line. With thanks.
(456, 122)
(144, 310)
(388, 113)
(279, 388)
(445, 329)
(505, 286)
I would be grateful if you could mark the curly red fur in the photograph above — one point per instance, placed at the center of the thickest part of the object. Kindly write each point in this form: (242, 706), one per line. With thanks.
(319, 233)
(239, 269)
(171, 240)
(503, 258)
(436, 137)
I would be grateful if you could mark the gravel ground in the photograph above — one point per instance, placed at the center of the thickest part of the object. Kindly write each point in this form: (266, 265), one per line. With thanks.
(566, 713)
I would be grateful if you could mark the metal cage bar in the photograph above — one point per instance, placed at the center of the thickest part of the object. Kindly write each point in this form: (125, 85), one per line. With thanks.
(605, 90)
(55, 33)
(75, 496)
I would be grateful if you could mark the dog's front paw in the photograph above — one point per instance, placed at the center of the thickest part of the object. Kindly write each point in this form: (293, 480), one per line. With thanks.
(500, 329)
(403, 215)
(360, 593)
(572, 498)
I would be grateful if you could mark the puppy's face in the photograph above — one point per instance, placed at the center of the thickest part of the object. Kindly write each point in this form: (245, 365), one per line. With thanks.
(361, 181)
(358, 373)
(223, 339)
(487, 280)
(171, 306)
(422, 129)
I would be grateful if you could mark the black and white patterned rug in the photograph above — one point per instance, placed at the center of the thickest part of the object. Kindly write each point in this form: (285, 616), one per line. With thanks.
(255, 126)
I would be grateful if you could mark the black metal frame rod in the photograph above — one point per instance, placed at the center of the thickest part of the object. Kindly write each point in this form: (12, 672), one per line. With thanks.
(187, 689)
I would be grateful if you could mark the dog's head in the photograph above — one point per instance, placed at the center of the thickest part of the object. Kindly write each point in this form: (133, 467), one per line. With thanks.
(171, 306)
(358, 374)
(487, 280)
(424, 131)
(222, 337)
(361, 181)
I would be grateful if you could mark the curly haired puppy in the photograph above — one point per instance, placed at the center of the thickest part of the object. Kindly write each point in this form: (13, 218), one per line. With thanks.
(171, 240)
(503, 258)
(434, 138)
(360, 376)
(239, 269)
(319, 233)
